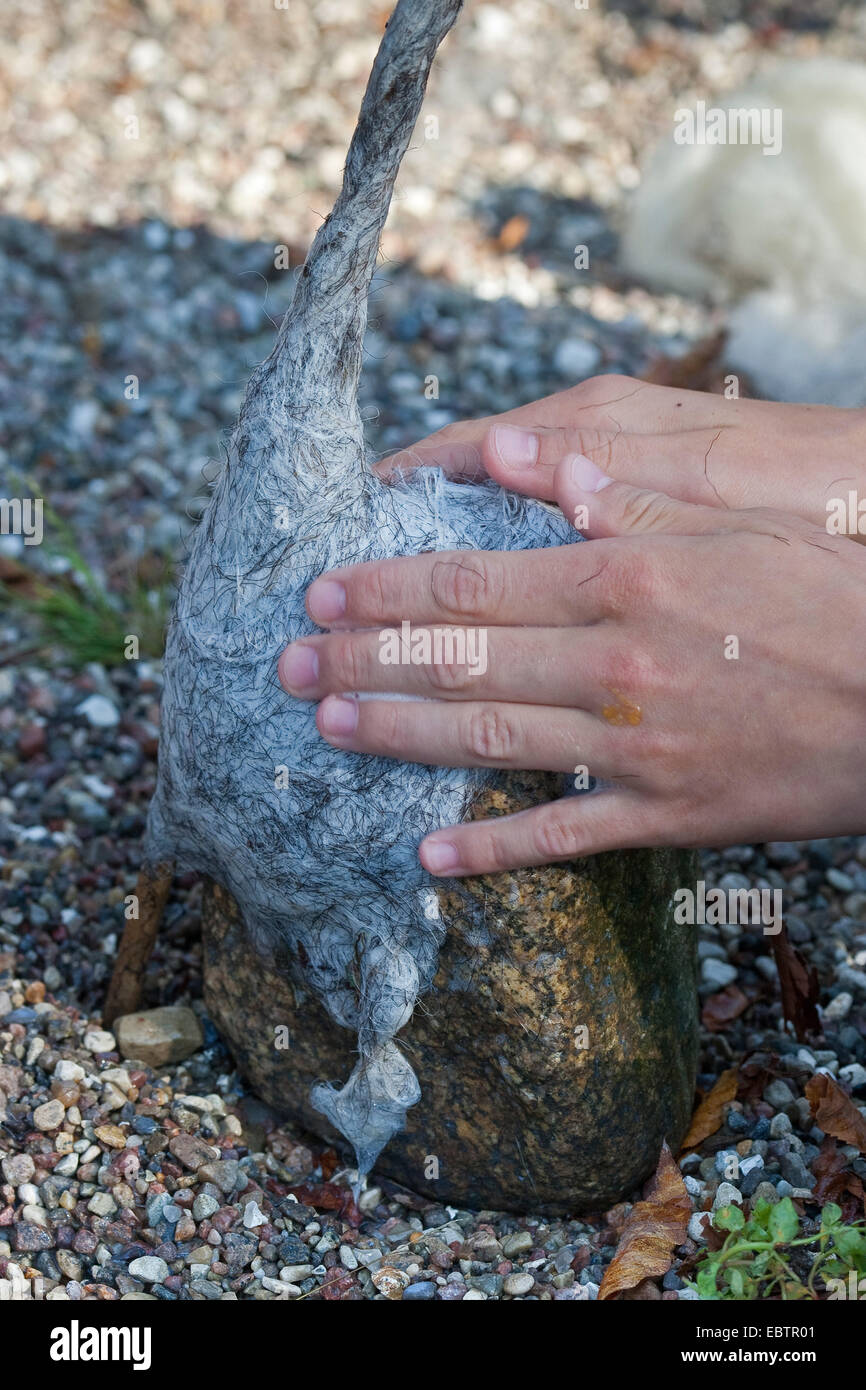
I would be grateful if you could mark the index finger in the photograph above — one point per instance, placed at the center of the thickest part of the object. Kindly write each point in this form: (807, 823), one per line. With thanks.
(560, 586)
(457, 448)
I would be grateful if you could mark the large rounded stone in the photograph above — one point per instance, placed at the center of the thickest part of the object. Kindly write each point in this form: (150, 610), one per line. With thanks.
(556, 1050)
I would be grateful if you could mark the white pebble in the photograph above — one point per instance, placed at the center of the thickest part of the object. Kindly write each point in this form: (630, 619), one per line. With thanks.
(66, 1070)
(281, 1288)
(839, 1007)
(517, 1284)
(99, 712)
(150, 1268)
(253, 1216)
(696, 1227)
(727, 1195)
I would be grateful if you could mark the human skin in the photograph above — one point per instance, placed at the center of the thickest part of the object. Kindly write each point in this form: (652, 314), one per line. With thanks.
(619, 655)
(692, 445)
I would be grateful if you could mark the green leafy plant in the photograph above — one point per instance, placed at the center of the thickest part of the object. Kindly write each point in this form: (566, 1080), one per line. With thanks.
(74, 610)
(767, 1256)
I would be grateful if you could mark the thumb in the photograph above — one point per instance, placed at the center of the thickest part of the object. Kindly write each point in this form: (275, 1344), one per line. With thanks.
(599, 506)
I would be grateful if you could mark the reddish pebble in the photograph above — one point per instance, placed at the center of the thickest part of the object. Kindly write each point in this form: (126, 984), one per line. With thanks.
(224, 1219)
(338, 1289)
(31, 740)
(450, 1293)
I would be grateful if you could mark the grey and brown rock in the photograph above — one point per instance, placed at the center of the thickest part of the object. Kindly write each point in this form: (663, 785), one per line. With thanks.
(157, 1036)
(519, 1108)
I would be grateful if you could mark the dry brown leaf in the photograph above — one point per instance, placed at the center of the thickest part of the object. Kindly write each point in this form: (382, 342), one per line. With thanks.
(652, 1229)
(710, 1113)
(702, 368)
(798, 984)
(834, 1111)
(837, 1182)
(723, 1007)
(13, 573)
(513, 233)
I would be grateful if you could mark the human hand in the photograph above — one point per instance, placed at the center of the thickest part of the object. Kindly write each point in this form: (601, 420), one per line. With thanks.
(692, 445)
(705, 664)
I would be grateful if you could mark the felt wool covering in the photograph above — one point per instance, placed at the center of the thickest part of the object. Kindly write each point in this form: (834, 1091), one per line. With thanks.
(323, 857)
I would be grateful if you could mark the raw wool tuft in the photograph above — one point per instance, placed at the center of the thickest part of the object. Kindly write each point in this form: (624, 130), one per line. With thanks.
(780, 237)
(325, 868)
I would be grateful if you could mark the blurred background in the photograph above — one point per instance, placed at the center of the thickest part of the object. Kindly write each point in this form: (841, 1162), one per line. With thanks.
(165, 164)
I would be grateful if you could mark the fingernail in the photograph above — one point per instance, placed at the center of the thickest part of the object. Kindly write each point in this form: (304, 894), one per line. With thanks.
(326, 600)
(299, 667)
(585, 474)
(338, 716)
(440, 856)
(516, 448)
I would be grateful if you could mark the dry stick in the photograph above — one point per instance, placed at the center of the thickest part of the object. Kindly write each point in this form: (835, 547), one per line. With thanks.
(137, 942)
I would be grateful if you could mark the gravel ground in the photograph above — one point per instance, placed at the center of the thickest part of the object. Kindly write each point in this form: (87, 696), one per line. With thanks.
(153, 258)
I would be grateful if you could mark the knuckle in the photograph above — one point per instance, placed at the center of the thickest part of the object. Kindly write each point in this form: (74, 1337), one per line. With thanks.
(631, 670)
(489, 851)
(489, 735)
(555, 836)
(642, 509)
(596, 390)
(371, 591)
(466, 586)
(659, 751)
(348, 664)
(447, 673)
(390, 718)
